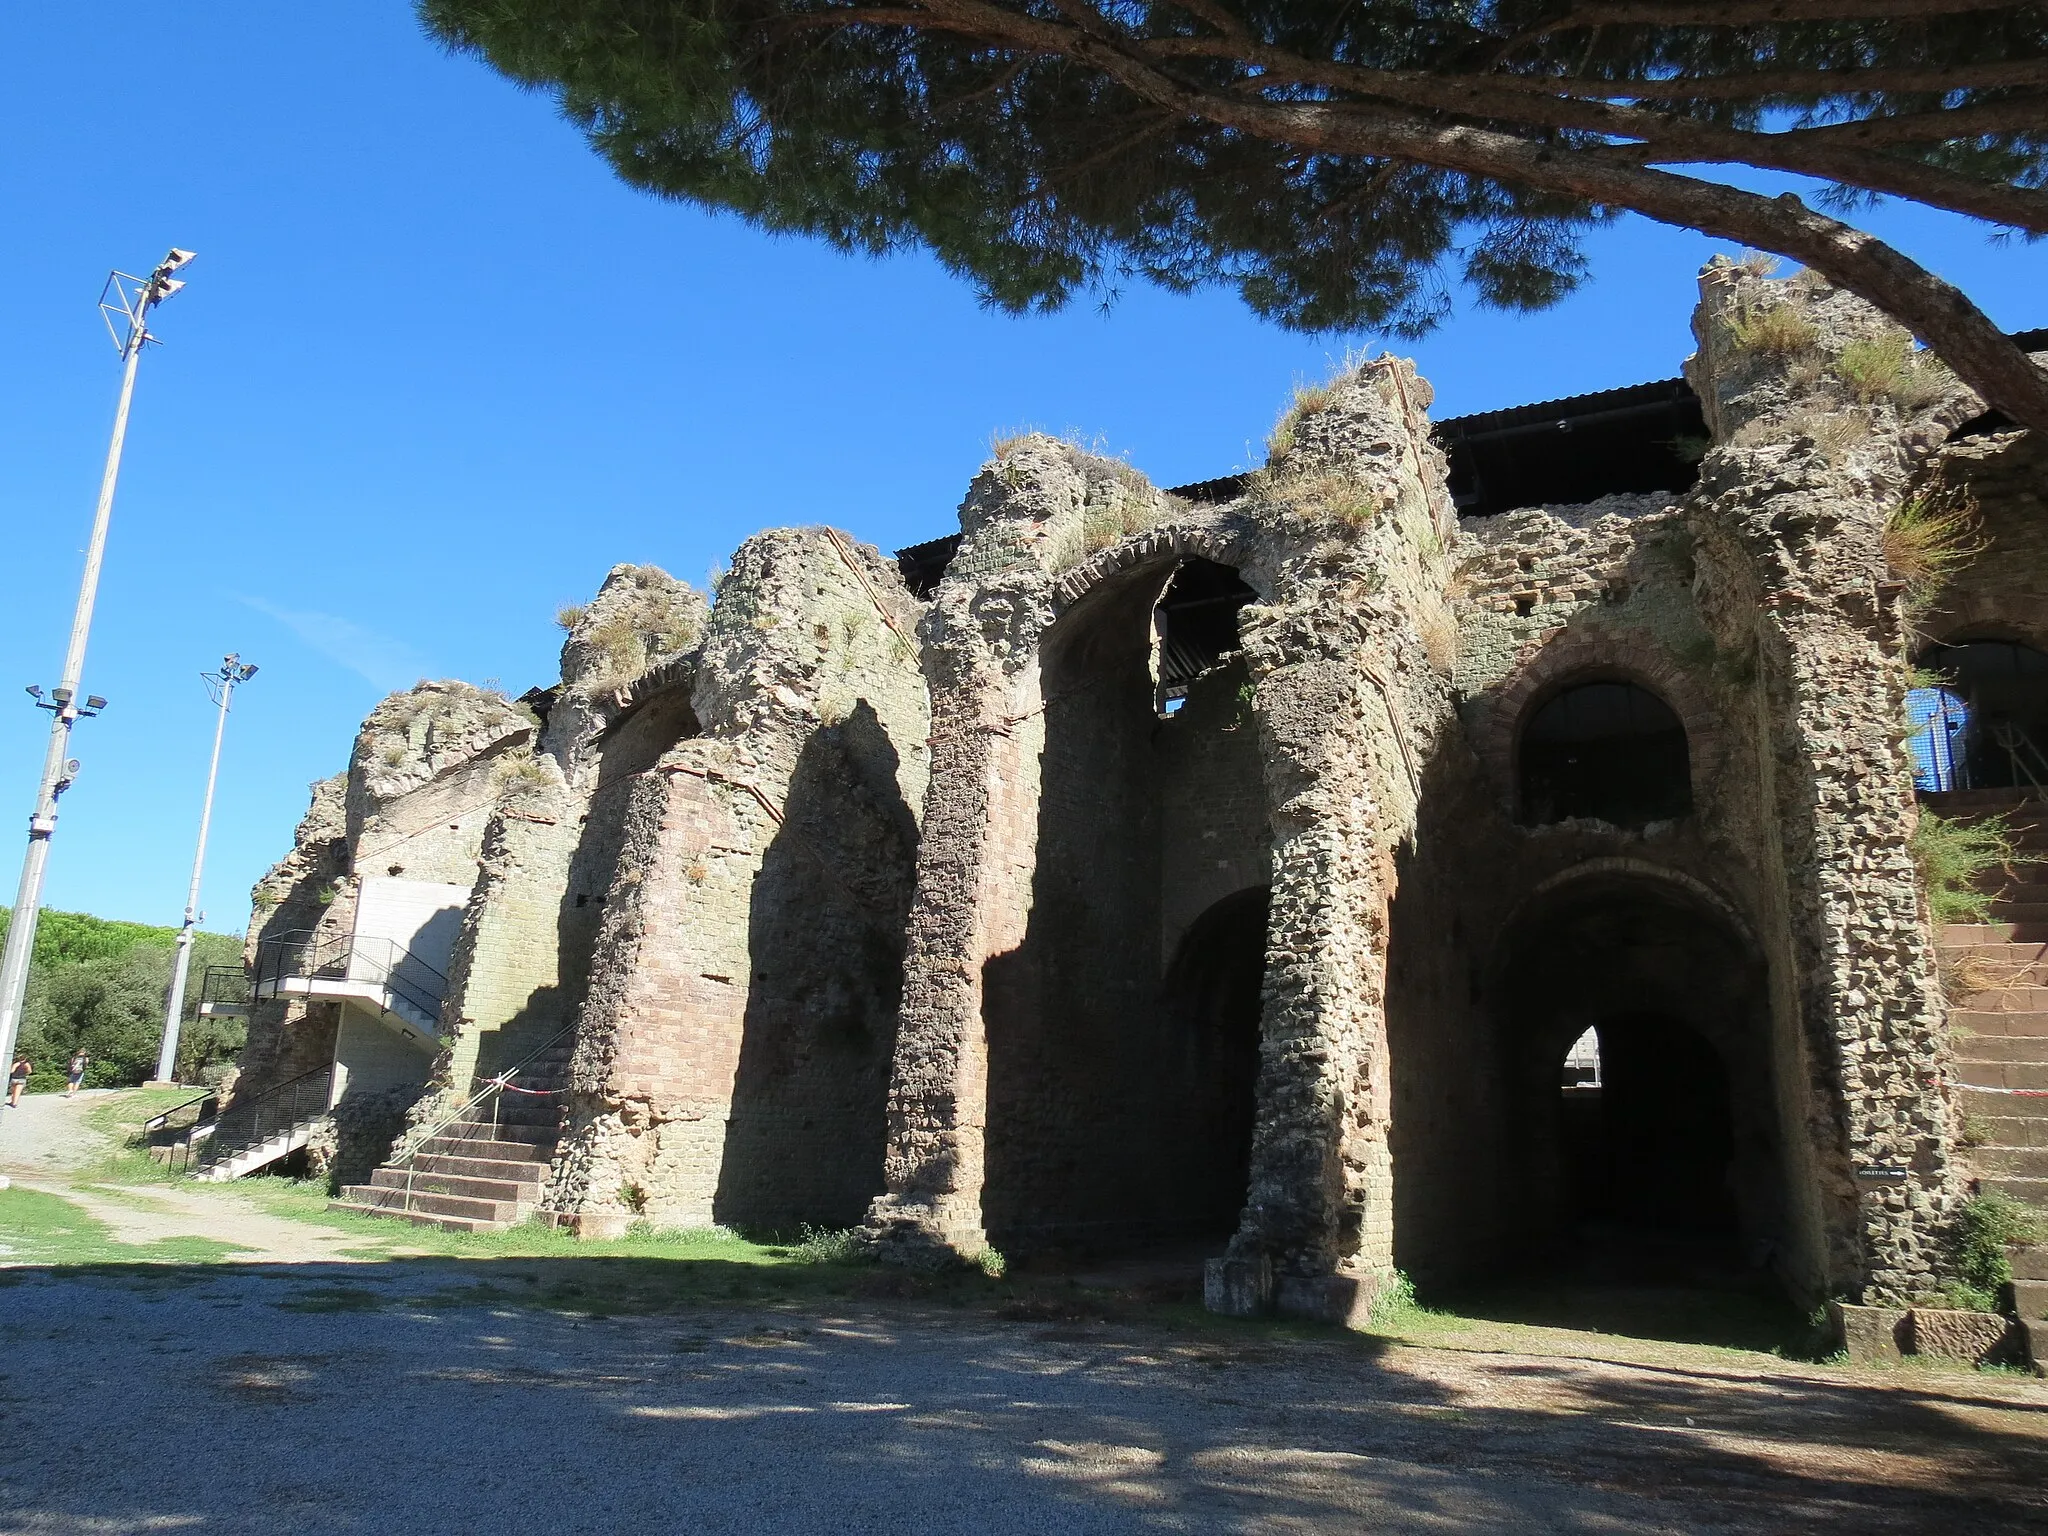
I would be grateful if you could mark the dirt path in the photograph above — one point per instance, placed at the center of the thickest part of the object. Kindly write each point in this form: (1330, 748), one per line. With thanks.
(46, 1144)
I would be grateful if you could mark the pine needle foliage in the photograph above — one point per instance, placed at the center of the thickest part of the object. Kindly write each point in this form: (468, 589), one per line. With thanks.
(1339, 167)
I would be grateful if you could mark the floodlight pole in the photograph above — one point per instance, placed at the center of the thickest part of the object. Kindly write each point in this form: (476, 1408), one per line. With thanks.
(232, 671)
(59, 769)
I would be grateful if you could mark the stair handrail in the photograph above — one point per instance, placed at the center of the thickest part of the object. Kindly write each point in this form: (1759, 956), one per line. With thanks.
(159, 1121)
(415, 1142)
(300, 952)
(293, 1091)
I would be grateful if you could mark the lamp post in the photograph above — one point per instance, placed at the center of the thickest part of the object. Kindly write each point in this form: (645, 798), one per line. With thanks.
(221, 685)
(131, 299)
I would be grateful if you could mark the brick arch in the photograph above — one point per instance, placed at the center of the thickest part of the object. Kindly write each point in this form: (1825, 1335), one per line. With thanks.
(1593, 655)
(1991, 616)
(1623, 867)
(1154, 544)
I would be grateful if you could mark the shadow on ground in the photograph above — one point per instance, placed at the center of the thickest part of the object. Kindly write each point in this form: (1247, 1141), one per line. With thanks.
(597, 1394)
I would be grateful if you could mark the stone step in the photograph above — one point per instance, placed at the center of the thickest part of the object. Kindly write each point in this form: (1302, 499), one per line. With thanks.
(2010, 1050)
(2032, 1192)
(2030, 1298)
(2013, 1162)
(531, 1171)
(540, 1152)
(379, 1198)
(1948, 801)
(1960, 935)
(2010, 999)
(2030, 1263)
(483, 1130)
(2021, 914)
(2032, 1076)
(400, 1181)
(1971, 1023)
(2006, 1120)
(418, 1218)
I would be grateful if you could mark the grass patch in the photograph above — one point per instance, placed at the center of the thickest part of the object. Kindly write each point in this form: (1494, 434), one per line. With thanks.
(1776, 330)
(1889, 367)
(1928, 539)
(1951, 855)
(41, 1228)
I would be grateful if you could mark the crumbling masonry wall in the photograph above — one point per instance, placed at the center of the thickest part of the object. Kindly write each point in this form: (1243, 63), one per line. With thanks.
(732, 1052)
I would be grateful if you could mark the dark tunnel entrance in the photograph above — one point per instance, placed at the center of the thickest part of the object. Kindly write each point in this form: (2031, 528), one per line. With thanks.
(1123, 1029)
(1642, 1132)
(1647, 1144)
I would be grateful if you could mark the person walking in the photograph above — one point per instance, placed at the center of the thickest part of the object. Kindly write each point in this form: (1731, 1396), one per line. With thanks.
(75, 1076)
(17, 1080)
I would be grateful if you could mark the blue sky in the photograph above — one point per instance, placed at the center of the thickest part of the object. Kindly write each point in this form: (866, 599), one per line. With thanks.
(436, 372)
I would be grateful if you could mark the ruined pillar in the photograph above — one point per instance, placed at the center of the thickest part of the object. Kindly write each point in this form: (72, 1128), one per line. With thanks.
(1806, 469)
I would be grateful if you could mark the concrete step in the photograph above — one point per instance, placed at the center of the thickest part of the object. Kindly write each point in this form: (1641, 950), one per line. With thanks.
(503, 1212)
(2021, 914)
(531, 1171)
(1975, 1023)
(399, 1181)
(417, 1218)
(2013, 1162)
(2028, 1075)
(2012, 1050)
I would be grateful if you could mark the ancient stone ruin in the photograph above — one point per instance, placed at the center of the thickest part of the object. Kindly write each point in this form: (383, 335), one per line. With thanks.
(1395, 858)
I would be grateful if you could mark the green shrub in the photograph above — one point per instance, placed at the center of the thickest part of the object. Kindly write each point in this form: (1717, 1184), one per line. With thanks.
(1987, 1225)
(1951, 855)
(822, 1245)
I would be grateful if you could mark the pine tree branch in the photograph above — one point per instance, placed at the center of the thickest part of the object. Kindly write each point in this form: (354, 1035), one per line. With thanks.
(1939, 313)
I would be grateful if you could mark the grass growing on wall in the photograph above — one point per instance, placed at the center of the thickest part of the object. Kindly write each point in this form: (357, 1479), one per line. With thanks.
(1952, 855)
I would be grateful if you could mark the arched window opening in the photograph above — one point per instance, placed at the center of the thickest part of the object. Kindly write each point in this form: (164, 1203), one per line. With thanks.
(1611, 751)
(1194, 627)
(1981, 721)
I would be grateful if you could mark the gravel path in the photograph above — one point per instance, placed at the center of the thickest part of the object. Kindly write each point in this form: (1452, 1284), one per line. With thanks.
(338, 1400)
(45, 1136)
(45, 1144)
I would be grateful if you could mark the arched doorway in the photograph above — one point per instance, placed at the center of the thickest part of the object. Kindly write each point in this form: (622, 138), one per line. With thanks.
(1982, 718)
(1211, 1002)
(1642, 1111)
(1122, 1028)
(1603, 749)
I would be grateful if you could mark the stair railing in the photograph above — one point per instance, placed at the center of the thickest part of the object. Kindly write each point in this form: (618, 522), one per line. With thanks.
(348, 957)
(281, 1108)
(182, 1123)
(416, 1141)
(2028, 764)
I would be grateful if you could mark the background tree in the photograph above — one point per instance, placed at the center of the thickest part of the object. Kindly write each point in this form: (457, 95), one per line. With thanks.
(100, 986)
(1337, 161)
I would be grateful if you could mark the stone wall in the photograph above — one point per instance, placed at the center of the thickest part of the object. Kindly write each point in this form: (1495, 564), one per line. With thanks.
(732, 1051)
